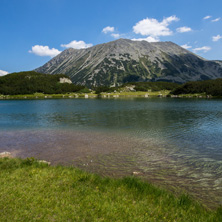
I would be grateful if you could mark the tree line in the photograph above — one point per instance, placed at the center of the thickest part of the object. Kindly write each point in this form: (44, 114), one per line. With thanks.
(32, 82)
(210, 87)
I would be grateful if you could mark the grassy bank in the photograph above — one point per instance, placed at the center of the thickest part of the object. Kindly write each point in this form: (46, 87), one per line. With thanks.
(33, 191)
(163, 93)
(49, 96)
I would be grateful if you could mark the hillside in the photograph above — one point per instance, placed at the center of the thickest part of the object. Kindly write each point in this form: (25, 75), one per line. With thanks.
(32, 82)
(209, 87)
(124, 60)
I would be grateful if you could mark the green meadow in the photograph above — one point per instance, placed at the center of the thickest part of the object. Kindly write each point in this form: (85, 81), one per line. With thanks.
(34, 191)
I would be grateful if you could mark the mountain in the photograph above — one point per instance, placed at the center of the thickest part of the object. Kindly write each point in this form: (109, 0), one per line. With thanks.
(124, 60)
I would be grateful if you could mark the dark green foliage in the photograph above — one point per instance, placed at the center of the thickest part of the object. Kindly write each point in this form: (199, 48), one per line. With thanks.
(84, 90)
(140, 86)
(131, 78)
(154, 86)
(101, 89)
(210, 87)
(33, 82)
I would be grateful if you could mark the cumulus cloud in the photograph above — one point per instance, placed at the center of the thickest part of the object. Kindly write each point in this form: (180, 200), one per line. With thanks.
(77, 45)
(216, 38)
(108, 29)
(207, 17)
(3, 73)
(185, 46)
(152, 27)
(115, 35)
(215, 20)
(203, 49)
(44, 51)
(148, 39)
(184, 29)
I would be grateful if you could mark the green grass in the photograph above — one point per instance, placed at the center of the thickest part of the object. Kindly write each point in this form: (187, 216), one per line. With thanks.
(138, 93)
(33, 191)
(164, 93)
(194, 95)
(82, 95)
(48, 96)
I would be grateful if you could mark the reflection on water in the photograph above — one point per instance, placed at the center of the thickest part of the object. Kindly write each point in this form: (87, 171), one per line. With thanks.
(171, 142)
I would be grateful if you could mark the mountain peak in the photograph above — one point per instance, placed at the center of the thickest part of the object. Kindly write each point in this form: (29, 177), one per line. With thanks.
(124, 60)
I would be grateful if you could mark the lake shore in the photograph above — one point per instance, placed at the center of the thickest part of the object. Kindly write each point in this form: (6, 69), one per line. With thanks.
(67, 193)
(109, 154)
(160, 94)
(172, 143)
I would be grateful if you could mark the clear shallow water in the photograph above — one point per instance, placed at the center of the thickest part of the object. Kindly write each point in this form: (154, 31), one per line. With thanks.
(176, 143)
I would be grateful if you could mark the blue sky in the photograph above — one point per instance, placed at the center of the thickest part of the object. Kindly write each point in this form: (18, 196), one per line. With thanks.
(33, 31)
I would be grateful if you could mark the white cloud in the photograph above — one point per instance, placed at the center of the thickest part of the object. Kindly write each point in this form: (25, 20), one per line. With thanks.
(3, 73)
(44, 51)
(108, 29)
(77, 45)
(204, 49)
(215, 20)
(111, 30)
(170, 19)
(152, 27)
(207, 17)
(184, 29)
(148, 39)
(115, 35)
(216, 38)
(185, 46)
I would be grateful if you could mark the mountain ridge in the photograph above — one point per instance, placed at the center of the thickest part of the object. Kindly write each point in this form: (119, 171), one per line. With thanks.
(124, 60)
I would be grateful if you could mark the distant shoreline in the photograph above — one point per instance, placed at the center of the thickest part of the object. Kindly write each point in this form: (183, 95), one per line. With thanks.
(160, 94)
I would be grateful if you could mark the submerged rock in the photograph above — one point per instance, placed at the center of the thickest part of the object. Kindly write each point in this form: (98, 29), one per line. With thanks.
(137, 173)
(5, 154)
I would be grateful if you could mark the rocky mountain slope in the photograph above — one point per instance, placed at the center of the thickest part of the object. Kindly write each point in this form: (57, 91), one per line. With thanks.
(124, 60)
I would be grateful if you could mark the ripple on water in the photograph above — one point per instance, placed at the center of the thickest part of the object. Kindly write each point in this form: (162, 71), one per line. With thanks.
(118, 154)
(172, 142)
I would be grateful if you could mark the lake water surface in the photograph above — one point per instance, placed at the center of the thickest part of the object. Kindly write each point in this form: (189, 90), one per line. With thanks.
(175, 143)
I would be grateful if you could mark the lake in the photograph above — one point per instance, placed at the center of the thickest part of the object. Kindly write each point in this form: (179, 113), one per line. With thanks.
(172, 142)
